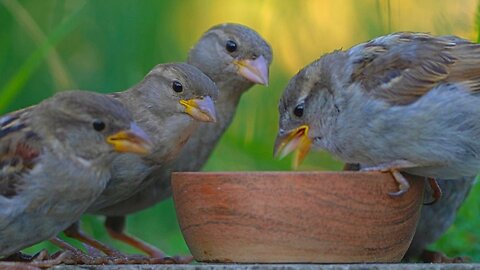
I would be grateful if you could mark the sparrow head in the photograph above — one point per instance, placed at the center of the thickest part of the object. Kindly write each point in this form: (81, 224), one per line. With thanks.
(179, 88)
(306, 108)
(90, 125)
(233, 49)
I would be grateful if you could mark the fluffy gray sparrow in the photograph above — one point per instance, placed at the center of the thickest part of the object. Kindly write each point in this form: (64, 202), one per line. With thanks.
(402, 102)
(235, 57)
(54, 162)
(168, 104)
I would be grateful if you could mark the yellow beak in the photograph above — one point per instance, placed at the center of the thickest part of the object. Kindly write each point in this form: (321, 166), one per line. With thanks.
(255, 71)
(295, 139)
(201, 109)
(134, 140)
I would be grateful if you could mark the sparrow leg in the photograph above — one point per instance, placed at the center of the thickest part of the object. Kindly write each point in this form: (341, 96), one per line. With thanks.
(394, 167)
(439, 257)
(92, 251)
(403, 184)
(64, 245)
(68, 257)
(74, 232)
(113, 255)
(437, 191)
(116, 229)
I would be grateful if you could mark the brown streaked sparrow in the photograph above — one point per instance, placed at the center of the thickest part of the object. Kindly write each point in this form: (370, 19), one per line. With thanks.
(168, 104)
(55, 161)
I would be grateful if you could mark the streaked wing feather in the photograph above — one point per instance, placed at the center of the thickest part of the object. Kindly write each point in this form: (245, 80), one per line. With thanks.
(402, 67)
(18, 152)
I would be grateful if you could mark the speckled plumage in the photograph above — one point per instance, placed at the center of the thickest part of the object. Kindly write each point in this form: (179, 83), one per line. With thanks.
(53, 164)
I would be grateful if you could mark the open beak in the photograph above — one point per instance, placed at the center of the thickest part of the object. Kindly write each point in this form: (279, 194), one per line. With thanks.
(134, 140)
(255, 71)
(201, 109)
(296, 139)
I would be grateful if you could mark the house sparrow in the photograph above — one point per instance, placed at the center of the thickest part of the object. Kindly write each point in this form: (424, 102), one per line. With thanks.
(168, 104)
(235, 57)
(403, 102)
(54, 162)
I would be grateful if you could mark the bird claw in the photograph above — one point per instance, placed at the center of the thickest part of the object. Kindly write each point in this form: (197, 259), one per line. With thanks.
(183, 259)
(82, 258)
(155, 255)
(141, 259)
(38, 261)
(397, 193)
(123, 259)
(403, 183)
(71, 255)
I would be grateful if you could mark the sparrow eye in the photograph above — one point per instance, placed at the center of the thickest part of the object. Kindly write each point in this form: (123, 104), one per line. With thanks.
(177, 86)
(298, 111)
(98, 125)
(231, 46)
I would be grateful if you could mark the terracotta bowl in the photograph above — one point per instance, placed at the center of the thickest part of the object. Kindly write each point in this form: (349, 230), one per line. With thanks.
(295, 217)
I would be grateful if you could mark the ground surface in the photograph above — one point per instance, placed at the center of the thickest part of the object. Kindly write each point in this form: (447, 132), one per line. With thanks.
(277, 267)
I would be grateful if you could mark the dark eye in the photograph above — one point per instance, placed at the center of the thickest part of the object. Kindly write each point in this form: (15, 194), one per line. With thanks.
(231, 46)
(98, 125)
(177, 86)
(298, 111)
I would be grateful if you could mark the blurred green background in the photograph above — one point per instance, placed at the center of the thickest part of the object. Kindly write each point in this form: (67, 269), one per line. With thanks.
(52, 45)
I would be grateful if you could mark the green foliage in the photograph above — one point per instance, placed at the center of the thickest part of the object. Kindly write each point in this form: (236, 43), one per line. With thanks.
(110, 45)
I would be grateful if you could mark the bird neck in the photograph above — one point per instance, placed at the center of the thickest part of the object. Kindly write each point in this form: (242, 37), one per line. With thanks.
(163, 127)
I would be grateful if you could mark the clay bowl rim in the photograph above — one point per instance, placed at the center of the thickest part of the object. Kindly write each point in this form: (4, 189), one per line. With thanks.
(372, 173)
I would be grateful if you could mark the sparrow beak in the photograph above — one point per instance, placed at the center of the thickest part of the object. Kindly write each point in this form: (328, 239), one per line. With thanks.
(134, 140)
(296, 139)
(255, 71)
(201, 109)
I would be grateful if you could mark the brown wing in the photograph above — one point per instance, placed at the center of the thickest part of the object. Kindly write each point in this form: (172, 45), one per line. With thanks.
(402, 67)
(18, 152)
